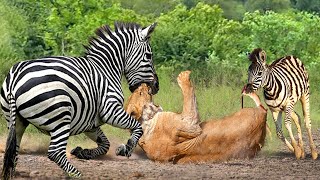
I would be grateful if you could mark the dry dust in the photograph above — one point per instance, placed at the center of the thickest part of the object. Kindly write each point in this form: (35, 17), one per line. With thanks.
(271, 163)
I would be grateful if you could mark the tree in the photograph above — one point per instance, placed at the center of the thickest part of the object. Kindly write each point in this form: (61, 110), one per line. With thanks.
(149, 7)
(267, 5)
(308, 5)
(232, 9)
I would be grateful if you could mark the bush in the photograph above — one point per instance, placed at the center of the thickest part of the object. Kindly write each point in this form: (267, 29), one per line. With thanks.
(13, 30)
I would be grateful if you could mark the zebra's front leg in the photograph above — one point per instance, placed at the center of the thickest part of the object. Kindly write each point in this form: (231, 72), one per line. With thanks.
(127, 149)
(57, 151)
(277, 117)
(118, 117)
(287, 121)
(103, 145)
(125, 121)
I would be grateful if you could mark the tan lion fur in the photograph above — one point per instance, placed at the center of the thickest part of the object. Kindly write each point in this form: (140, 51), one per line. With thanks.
(182, 138)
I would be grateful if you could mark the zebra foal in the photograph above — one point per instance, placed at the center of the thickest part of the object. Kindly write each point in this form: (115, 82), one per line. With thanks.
(285, 82)
(64, 96)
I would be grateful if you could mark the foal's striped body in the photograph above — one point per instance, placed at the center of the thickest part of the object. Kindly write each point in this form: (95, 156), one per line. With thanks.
(285, 82)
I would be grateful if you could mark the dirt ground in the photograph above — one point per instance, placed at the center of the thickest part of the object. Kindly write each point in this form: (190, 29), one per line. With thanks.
(276, 163)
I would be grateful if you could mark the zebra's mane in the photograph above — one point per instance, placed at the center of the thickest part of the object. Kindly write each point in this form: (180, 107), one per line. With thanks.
(254, 55)
(105, 31)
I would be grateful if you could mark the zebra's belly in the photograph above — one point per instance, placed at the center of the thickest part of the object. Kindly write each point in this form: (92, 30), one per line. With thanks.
(60, 120)
(279, 105)
(276, 105)
(48, 114)
(57, 111)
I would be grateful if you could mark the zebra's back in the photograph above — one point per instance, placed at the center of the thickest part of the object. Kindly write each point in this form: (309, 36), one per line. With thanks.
(288, 80)
(51, 90)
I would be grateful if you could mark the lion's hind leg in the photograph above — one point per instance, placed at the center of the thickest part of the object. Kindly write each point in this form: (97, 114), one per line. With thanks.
(190, 110)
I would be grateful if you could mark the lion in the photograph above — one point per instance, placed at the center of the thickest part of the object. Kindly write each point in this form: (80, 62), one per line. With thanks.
(183, 138)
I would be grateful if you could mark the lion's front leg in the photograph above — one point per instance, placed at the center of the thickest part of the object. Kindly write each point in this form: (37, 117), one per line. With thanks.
(190, 110)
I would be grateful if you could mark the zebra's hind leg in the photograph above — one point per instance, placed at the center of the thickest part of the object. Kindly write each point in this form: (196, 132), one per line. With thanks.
(103, 145)
(297, 121)
(306, 113)
(277, 117)
(57, 150)
(21, 125)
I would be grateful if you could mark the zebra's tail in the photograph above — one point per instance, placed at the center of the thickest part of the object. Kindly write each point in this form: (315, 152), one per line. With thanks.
(10, 151)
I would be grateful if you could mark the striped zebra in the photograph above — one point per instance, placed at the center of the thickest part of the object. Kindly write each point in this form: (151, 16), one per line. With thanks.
(285, 82)
(64, 96)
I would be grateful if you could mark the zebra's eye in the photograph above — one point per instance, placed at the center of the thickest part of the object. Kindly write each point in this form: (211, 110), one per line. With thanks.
(148, 55)
(259, 73)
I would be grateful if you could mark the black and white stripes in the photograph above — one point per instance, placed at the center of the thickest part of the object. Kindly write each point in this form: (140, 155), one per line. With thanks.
(64, 96)
(285, 82)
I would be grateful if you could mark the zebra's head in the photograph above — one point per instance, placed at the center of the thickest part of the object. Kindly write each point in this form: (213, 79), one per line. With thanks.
(256, 70)
(139, 66)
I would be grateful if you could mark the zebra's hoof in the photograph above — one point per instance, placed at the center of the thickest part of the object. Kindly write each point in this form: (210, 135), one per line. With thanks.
(298, 152)
(81, 153)
(74, 175)
(314, 155)
(123, 150)
(76, 151)
(303, 155)
(120, 151)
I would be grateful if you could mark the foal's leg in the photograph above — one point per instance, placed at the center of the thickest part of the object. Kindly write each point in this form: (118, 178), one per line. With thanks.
(306, 114)
(277, 117)
(295, 117)
(190, 110)
(287, 122)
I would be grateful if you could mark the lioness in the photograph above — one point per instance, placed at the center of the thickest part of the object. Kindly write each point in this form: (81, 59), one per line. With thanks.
(182, 138)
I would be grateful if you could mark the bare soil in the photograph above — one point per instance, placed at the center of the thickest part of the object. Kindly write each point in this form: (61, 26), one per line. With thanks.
(276, 163)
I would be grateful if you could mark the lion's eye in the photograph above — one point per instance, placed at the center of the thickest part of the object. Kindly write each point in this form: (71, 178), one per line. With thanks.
(140, 93)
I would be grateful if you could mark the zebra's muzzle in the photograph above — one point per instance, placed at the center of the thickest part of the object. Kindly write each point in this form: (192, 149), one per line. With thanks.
(248, 88)
(154, 85)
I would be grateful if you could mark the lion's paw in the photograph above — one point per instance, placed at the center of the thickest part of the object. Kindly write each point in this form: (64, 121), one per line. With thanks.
(184, 79)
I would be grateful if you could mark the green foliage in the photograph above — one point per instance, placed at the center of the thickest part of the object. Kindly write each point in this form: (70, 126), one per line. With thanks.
(71, 23)
(185, 34)
(13, 28)
(290, 33)
(197, 39)
(232, 9)
(308, 5)
(268, 5)
(77, 34)
(149, 7)
(35, 13)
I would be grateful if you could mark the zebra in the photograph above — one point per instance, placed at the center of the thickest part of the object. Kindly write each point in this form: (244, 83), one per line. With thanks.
(285, 82)
(64, 96)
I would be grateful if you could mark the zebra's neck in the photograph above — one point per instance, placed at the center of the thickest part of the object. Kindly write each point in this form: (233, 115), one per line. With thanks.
(269, 83)
(107, 57)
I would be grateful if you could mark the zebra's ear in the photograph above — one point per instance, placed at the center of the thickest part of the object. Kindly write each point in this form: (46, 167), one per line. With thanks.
(263, 56)
(146, 32)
